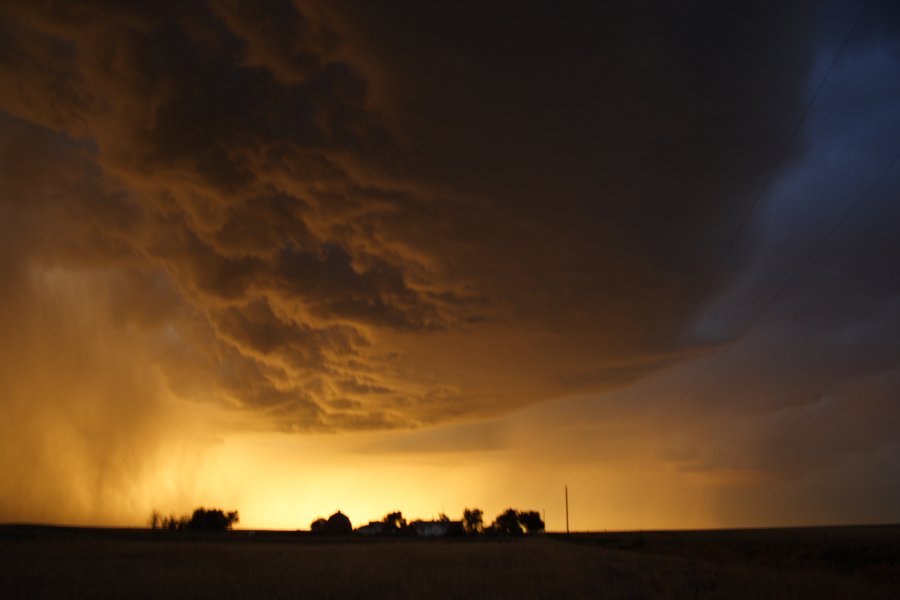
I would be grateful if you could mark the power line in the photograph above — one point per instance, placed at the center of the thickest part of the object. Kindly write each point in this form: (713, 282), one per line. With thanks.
(790, 142)
(745, 219)
(722, 351)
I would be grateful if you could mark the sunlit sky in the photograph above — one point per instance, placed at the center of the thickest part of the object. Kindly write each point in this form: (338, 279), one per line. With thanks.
(294, 257)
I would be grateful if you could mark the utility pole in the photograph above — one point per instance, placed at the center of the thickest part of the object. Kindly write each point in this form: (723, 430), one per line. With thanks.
(567, 510)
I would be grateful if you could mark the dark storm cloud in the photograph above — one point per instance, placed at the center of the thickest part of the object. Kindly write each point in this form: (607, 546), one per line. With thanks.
(256, 326)
(612, 148)
(376, 215)
(378, 295)
(258, 225)
(166, 134)
(819, 370)
(797, 413)
(794, 419)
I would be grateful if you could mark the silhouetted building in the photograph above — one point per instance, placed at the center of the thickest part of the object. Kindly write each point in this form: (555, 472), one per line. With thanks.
(438, 528)
(372, 529)
(338, 524)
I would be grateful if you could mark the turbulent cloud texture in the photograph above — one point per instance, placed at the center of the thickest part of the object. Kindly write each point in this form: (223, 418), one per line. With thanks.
(208, 173)
(250, 191)
(332, 217)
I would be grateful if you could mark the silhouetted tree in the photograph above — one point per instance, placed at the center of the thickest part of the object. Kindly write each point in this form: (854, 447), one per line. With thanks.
(212, 519)
(320, 525)
(175, 523)
(394, 522)
(168, 523)
(531, 521)
(508, 523)
(473, 521)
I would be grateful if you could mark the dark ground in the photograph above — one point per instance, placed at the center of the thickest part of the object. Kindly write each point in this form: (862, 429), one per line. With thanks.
(830, 562)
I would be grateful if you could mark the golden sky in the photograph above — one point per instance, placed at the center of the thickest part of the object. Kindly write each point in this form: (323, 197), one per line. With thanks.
(287, 258)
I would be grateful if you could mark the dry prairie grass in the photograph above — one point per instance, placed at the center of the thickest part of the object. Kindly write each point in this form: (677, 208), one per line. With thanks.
(97, 565)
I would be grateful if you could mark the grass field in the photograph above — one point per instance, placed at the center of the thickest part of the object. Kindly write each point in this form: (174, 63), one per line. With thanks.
(851, 562)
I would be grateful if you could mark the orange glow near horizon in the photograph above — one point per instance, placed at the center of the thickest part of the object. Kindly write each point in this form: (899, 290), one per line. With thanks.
(285, 482)
(293, 257)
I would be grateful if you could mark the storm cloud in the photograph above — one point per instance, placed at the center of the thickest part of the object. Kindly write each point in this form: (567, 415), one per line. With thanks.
(334, 217)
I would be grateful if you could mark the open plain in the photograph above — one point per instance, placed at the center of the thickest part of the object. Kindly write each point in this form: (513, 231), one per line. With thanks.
(833, 562)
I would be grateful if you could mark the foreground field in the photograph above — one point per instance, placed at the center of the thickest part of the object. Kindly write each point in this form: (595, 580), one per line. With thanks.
(805, 563)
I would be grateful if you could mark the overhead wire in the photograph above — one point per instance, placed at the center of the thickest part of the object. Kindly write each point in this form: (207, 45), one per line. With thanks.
(745, 218)
(786, 284)
(787, 146)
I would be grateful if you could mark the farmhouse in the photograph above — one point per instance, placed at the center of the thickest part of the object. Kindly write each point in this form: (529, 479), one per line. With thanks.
(437, 528)
(372, 529)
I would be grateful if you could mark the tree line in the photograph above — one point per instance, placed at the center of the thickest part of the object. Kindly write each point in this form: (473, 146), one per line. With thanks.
(202, 519)
(509, 522)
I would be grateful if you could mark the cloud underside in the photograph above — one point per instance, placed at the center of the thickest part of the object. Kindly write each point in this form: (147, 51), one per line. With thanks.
(332, 233)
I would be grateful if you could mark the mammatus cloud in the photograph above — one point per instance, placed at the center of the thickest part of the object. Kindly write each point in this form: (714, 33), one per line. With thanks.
(353, 216)
(253, 195)
(222, 191)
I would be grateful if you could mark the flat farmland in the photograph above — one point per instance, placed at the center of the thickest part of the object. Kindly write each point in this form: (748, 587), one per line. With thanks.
(837, 562)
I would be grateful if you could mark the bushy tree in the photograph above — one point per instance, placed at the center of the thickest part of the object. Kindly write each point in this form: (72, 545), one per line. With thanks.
(473, 521)
(394, 522)
(320, 525)
(212, 519)
(511, 522)
(202, 519)
(176, 523)
(507, 522)
(168, 523)
(531, 521)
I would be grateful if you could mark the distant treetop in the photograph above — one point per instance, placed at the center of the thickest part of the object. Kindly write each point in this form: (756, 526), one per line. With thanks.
(202, 519)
